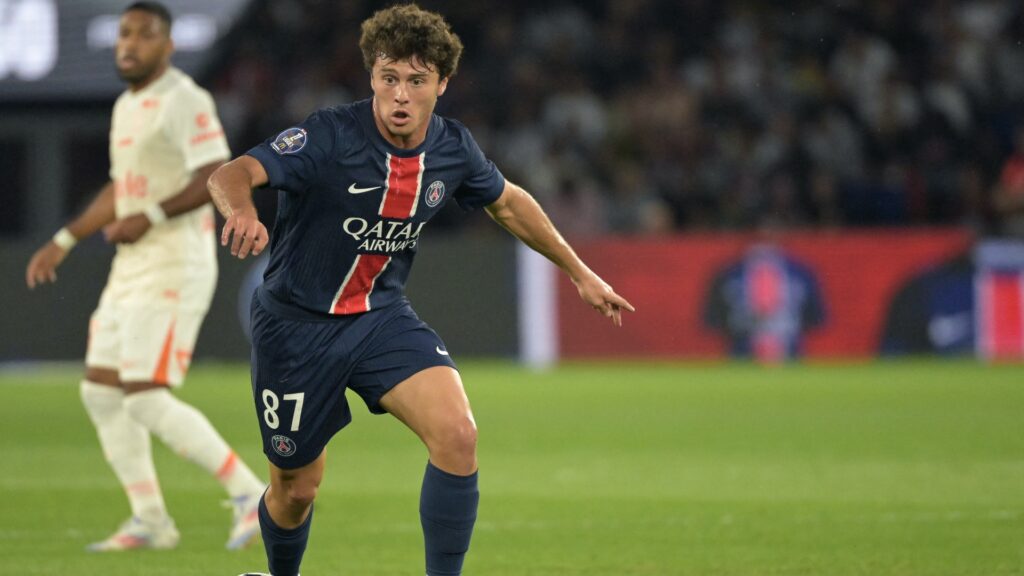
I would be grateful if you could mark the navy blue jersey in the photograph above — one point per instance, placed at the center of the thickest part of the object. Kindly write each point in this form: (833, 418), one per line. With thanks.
(351, 206)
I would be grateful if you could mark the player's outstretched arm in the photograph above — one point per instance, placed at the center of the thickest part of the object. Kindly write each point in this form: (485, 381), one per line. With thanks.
(521, 215)
(131, 228)
(231, 188)
(42, 267)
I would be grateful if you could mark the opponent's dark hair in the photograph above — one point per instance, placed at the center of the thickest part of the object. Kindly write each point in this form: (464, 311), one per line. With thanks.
(406, 30)
(155, 8)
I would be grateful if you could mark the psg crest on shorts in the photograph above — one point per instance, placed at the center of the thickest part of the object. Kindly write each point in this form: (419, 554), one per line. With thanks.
(283, 445)
(435, 193)
(290, 141)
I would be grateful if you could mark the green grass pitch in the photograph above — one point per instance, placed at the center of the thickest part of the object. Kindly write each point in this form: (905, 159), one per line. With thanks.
(876, 469)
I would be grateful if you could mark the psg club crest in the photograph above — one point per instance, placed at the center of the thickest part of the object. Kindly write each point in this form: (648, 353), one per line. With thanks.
(290, 141)
(283, 445)
(435, 193)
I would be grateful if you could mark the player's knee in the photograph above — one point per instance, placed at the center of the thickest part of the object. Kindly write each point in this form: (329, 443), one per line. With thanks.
(301, 495)
(101, 402)
(149, 407)
(297, 491)
(458, 439)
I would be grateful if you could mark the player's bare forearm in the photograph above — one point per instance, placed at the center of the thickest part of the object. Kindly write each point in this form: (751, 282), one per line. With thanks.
(96, 215)
(42, 266)
(193, 195)
(521, 215)
(231, 188)
(518, 212)
(231, 185)
(132, 228)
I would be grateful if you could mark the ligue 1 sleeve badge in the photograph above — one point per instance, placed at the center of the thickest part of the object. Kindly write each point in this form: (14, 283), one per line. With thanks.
(435, 193)
(290, 141)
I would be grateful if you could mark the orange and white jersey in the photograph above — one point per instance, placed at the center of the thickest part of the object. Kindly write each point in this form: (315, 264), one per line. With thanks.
(159, 136)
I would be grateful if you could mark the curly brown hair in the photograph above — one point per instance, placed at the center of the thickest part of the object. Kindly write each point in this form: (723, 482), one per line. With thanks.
(406, 30)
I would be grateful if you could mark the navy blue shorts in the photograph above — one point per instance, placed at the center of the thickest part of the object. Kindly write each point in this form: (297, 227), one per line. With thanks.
(302, 366)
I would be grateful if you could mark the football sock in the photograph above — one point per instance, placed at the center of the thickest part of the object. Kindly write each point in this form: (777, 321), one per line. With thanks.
(448, 506)
(126, 446)
(284, 547)
(186, 431)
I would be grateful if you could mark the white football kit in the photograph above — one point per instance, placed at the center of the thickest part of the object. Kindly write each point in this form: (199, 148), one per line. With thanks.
(160, 287)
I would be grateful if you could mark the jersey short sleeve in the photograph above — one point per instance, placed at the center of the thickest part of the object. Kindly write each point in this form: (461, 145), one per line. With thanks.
(295, 158)
(195, 129)
(484, 183)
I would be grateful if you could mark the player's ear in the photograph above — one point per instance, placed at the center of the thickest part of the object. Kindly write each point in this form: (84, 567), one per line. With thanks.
(442, 86)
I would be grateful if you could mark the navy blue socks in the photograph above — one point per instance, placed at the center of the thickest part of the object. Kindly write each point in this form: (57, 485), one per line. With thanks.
(447, 512)
(284, 547)
(448, 506)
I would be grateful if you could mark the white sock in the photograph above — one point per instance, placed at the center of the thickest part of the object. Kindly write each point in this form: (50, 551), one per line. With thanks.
(186, 431)
(126, 446)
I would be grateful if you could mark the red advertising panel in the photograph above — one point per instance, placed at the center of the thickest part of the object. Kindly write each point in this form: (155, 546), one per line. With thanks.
(815, 294)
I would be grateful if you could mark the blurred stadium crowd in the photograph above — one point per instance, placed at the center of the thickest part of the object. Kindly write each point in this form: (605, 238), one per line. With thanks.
(652, 116)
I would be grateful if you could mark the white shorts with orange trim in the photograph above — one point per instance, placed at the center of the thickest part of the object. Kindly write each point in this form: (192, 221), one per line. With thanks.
(145, 341)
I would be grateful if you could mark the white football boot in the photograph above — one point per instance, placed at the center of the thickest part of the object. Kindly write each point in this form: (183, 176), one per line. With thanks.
(245, 524)
(135, 534)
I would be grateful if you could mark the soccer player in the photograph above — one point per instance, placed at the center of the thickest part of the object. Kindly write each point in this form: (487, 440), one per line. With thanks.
(358, 184)
(165, 141)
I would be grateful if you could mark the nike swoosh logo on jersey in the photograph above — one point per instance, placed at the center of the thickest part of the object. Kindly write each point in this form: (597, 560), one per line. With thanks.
(353, 190)
(441, 352)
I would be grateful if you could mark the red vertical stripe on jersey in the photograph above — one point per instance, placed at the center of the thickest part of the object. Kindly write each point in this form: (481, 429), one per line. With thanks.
(354, 294)
(405, 177)
(1004, 311)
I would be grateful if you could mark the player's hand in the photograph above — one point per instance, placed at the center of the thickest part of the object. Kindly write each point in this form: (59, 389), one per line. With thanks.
(246, 233)
(42, 268)
(127, 230)
(602, 298)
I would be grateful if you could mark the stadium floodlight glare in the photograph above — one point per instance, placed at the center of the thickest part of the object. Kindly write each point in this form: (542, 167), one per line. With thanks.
(191, 33)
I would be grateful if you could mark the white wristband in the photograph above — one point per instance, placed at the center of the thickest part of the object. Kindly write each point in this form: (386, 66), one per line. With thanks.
(155, 214)
(65, 239)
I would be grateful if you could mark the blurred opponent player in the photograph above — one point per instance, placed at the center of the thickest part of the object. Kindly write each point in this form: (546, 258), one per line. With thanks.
(358, 184)
(165, 141)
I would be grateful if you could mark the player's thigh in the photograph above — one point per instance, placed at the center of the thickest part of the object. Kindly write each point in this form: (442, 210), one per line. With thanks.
(104, 376)
(430, 402)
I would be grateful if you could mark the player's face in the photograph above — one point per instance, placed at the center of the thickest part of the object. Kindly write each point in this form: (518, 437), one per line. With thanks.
(143, 47)
(404, 95)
